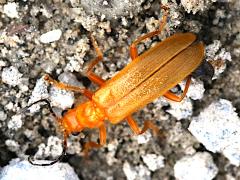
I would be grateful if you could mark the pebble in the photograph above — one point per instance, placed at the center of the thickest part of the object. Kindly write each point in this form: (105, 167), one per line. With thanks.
(15, 122)
(23, 170)
(181, 110)
(143, 138)
(136, 173)
(61, 98)
(218, 128)
(11, 76)
(153, 161)
(200, 166)
(52, 149)
(10, 9)
(51, 36)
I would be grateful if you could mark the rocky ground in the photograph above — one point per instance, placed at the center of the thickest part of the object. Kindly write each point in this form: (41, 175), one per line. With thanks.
(52, 37)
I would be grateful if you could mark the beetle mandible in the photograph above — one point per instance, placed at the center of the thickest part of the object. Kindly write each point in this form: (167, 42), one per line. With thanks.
(149, 76)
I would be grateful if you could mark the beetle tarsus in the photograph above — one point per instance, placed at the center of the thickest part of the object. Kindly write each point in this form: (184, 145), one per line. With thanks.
(163, 21)
(102, 137)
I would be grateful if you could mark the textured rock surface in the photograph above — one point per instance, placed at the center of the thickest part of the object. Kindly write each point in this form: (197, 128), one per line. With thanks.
(200, 166)
(24, 59)
(218, 129)
(22, 170)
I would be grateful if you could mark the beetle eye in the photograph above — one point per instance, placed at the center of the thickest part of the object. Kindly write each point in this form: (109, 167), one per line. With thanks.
(64, 112)
(205, 71)
(75, 133)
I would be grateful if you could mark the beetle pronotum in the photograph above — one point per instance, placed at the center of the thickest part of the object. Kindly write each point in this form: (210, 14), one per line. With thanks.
(149, 76)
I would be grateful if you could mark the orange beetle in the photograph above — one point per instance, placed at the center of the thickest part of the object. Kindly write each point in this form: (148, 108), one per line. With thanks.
(149, 76)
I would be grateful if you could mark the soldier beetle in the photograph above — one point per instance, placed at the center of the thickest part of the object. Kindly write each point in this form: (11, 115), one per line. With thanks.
(149, 76)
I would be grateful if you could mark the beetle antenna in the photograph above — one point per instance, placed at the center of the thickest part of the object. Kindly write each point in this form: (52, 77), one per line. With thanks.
(59, 158)
(36, 102)
(64, 142)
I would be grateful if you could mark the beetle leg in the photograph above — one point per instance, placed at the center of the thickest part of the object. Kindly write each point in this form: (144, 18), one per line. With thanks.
(133, 47)
(147, 125)
(174, 97)
(102, 136)
(67, 87)
(92, 76)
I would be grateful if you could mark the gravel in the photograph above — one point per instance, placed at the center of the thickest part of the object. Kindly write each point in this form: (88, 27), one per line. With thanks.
(52, 37)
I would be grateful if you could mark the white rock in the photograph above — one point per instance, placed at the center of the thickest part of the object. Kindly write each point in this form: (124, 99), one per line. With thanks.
(51, 36)
(23, 170)
(2, 63)
(11, 76)
(69, 78)
(136, 173)
(212, 49)
(9, 106)
(231, 151)
(73, 145)
(129, 171)
(10, 9)
(196, 89)
(12, 145)
(53, 149)
(218, 129)
(110, 156)
(61, 98)
(184, 109)
(143, 172)
(40, 91)
(73, 65)
(196, 5)
(230, 177)
(153, 161)
(220, 61)
(181, 110)
(218, 57)
(15, 122)
(143, 138)
(198, 167)
(3, 116)
(58, 97)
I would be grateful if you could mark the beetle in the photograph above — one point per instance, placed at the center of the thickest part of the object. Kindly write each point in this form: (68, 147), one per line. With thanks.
(147, 77)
